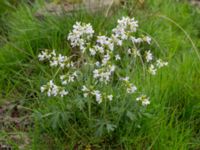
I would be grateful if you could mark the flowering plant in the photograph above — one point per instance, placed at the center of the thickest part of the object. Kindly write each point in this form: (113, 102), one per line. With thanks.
(97, 72)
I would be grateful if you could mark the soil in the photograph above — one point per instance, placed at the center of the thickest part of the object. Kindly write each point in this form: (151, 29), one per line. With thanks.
(195, 2)
(15, 121)
(69, 6)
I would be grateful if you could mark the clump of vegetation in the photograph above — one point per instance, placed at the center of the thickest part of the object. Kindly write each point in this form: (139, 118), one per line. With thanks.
(98, 85)
(104, 71)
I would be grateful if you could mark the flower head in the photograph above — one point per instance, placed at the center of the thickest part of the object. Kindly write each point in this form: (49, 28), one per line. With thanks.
(106, 42)
(110, 97)
(131, 88)
(80, 35)
(98, 96)
(149, 56)
(147, 39)
(144, 99)
(117, 57)
(160, 63)
(152, 70)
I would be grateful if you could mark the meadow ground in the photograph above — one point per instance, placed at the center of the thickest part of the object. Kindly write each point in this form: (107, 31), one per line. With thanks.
(30, 120)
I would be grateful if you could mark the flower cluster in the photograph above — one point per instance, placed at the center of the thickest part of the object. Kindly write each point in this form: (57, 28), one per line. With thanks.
(66, 79)
(105, 42)
(144, 100)
(149, 56)
(53, 90)
(104, 74)
(55, 60)
(105, 54)
(46, 55)
(96, 93)
(130, 87)
(126, 26)
(159, 64)
(80, 35)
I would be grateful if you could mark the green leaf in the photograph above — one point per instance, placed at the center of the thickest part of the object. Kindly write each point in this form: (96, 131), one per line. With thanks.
(110, 127)
(131, 115)
(55, 119)
(99, 131)
(148, 115)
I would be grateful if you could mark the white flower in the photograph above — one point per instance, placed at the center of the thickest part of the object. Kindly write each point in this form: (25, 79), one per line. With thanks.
(62, 77)
(64, 82)
(136, 53)
(129, 51)
(49, 93)
(44, 55)
(128, 23)
(119, 34)
(54, 63)
(75, 74)
(147, 39)
(102, 40)
(160, 63)
(97, 63)
(152, 70)
(117, 57)
(51, 83)
(84, 89)
(85, 94)
(65, 79)
(131, 89)
(57, 61)
(53, 53)
(52, 89)
(112, 68)
(96, 73)
(61, 58)
(92, 52)
(98, 96)
(71, 79)
(149, 56)
(144, 99)
(105, 42)
(145, 102)
(126, 79)
(110, 97)
(116, 40)
(63, 93)
(106, 58)
(70, 65)
(99, 49)
(103, 74)
(80, 34)
(42, 88)
(125, 27)
(136, 40)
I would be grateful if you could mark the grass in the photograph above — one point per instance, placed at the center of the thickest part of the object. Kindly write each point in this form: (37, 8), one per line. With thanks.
(172, 120)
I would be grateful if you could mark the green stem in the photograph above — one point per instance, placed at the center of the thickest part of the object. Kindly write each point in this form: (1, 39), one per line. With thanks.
(89, 110)
(56, 73)
(143, 65)
(105, 105)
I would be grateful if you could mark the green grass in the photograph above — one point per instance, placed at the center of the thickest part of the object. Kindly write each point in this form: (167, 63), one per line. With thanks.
(172, 119)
